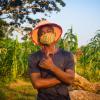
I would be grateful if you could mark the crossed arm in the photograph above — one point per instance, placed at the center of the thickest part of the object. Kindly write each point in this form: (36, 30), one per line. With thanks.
(66, 77)
(39, 82)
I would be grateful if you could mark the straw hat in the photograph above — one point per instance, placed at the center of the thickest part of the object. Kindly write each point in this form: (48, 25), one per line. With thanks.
(34, 32)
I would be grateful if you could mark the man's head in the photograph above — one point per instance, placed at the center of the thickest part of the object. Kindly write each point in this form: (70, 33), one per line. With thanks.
(46, 35)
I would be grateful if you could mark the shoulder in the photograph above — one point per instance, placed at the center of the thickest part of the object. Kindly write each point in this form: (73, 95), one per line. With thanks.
(34, 55)
(67, 53)
(70, 56)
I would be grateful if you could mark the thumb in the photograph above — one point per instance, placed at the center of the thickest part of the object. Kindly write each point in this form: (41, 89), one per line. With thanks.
(47, 55)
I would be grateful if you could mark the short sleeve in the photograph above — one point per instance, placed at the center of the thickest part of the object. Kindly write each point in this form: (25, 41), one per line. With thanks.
(69, 62)
(33, 64)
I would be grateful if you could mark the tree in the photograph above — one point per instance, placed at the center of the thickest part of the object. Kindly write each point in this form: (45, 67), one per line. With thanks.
(19, 10)
(3, 29)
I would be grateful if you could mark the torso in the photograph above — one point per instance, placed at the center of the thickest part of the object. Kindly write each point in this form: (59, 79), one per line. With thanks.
(58, 59)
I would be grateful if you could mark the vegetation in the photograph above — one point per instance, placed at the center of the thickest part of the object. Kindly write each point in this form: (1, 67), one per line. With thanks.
(14, 65)
(14, 57)
(14, 54)
(70, 41)
(90, 59)
(18, 90)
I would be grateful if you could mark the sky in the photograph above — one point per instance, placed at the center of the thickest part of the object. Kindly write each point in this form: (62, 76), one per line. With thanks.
(82, 15)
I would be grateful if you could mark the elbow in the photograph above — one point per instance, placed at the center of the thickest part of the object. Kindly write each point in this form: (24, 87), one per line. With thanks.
(36, 85)
(70, 81)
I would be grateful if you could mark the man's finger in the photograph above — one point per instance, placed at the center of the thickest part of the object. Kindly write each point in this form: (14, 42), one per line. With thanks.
(43, 60)
(40, 64)
(47, 55)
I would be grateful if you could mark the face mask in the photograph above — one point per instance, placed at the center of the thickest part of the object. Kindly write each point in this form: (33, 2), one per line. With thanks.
(47, 38)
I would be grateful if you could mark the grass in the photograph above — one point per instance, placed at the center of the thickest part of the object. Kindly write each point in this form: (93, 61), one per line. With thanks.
(19, 90)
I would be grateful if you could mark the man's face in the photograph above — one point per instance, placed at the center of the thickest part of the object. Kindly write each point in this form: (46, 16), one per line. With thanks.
(46, 34)
(45, 30)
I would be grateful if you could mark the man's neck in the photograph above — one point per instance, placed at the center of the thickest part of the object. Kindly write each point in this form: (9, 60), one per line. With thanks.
(49, 49)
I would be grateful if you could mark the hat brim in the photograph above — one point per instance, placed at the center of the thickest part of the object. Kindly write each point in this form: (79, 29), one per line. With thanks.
(57, 30)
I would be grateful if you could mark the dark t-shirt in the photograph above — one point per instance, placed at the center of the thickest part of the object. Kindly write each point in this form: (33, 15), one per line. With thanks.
(62, 59)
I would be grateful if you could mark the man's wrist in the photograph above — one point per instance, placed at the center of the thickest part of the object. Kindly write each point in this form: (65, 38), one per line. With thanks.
(52, 68)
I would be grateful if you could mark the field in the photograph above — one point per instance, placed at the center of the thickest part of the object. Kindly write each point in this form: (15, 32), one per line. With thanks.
(17, 90)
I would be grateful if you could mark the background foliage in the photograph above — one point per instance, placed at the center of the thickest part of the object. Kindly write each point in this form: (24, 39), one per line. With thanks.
(14, 55)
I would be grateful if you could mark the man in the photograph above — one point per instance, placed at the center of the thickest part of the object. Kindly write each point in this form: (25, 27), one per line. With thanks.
(51, 68)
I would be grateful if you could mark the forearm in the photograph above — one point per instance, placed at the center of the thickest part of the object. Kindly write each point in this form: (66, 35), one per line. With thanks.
(45, 83)
(63, 76)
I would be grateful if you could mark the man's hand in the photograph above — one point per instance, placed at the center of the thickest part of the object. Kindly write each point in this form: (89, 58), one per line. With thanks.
(46, 63)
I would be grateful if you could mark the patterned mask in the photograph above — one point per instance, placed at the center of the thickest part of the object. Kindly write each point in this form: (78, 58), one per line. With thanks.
(47, 38)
